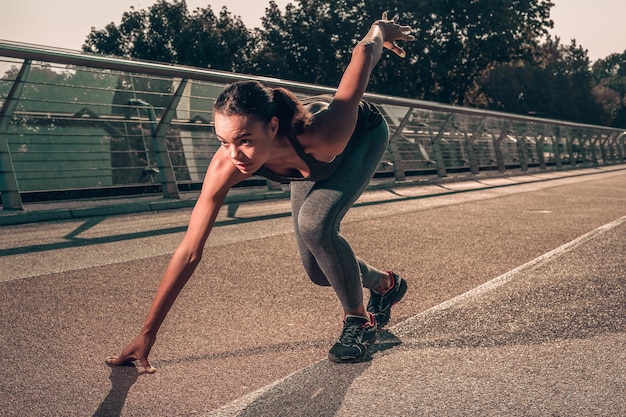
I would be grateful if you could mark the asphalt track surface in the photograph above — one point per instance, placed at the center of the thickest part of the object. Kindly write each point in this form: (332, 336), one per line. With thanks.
(516, 306)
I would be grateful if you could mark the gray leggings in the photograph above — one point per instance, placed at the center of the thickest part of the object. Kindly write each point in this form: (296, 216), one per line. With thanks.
(319, 207)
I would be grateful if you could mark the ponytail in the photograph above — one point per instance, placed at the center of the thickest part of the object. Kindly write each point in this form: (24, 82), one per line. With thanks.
(293, 118)
(251, 98)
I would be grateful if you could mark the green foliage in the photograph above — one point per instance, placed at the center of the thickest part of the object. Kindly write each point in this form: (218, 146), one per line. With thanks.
(168, 32)
(311, 40)
(609, 76)
(310, 43)
(458, 39)
(486, 53)
(556, 83)
(455, 41)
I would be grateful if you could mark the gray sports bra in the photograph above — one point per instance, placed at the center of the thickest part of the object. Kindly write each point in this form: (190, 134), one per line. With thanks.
(369, 117)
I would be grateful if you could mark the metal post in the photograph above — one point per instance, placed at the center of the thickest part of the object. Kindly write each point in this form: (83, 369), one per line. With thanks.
(612, 142)
(602, 142)
(570, 148)
(436, 142)
(9, 190)
(497, 144)
(163, 160)
(521, 151)
(582, 149)
(540, 151)
(556, 148)
(469, 147)
(594, 151)
(620, 147)
(396, 158)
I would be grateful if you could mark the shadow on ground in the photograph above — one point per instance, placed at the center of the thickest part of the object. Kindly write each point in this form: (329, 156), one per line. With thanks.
(318, 390)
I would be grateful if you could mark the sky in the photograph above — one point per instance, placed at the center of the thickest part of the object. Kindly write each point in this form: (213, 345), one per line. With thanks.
(596, 25)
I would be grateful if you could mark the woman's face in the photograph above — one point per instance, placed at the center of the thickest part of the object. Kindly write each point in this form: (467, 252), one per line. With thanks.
(248, 141)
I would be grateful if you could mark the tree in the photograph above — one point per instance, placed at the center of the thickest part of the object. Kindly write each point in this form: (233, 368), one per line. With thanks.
(168, 32)
(311, 41)
(458, 39)
(555, 83)
(609, 76)
(455, 41)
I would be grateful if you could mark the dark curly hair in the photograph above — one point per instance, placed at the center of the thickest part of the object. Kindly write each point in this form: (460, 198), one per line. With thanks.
(252, 98)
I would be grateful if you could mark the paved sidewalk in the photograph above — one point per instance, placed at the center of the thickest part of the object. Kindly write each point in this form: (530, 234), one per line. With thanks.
(545, 339)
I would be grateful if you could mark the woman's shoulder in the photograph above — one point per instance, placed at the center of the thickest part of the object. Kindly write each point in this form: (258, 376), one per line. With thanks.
(320, 98)
(321, 102)
(221, 173)
(316, 104)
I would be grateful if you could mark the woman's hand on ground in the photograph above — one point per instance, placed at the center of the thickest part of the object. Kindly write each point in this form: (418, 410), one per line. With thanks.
(137, 350)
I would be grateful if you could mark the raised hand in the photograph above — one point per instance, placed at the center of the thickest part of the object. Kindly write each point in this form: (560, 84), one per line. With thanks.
(393, 32)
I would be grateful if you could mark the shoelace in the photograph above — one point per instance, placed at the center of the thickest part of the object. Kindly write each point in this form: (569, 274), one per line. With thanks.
(350, 333)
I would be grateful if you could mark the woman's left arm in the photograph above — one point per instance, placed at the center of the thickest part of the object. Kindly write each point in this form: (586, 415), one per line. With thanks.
(340, 118)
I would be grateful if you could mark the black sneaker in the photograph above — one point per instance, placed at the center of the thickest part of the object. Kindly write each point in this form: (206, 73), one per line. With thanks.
(380, 304)
(357, 336)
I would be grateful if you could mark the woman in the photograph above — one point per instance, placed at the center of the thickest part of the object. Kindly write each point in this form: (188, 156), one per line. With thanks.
(329, 151)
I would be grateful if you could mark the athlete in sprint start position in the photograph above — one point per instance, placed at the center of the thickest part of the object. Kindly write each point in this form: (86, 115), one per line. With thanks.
(328, 148)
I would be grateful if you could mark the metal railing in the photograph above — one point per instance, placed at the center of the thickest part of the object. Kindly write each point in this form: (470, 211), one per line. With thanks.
(72, 122)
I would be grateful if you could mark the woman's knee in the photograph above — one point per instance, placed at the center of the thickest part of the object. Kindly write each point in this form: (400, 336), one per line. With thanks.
(314, 230)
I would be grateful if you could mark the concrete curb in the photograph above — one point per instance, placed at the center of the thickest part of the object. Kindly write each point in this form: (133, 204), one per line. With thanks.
(99, 208)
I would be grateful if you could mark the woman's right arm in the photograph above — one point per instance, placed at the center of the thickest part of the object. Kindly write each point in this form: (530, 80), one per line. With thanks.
(220, 176)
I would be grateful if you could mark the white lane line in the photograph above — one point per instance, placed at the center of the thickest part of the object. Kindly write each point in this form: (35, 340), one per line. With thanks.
(501, 280)
(237, 406)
